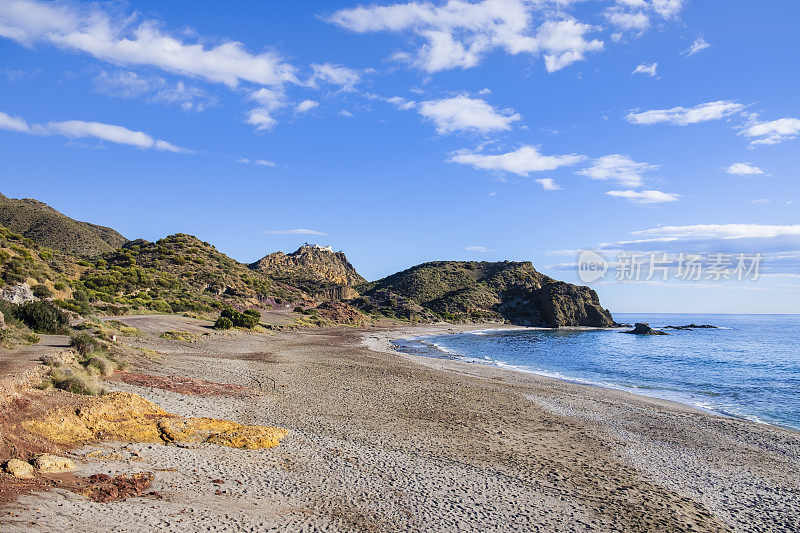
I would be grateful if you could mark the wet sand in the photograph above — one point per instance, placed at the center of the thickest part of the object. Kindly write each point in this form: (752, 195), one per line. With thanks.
(381, 441)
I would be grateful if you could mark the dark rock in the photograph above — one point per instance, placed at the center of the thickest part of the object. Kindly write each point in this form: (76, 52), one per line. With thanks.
(642, 328)
(692, 326)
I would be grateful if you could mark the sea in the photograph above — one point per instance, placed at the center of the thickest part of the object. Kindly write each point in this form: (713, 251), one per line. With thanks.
(748, 368)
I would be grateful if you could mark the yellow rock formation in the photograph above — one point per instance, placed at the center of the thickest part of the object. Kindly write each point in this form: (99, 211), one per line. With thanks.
(129, 417)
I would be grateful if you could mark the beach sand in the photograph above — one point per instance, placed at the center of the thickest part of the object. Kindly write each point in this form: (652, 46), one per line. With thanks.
(382, 441)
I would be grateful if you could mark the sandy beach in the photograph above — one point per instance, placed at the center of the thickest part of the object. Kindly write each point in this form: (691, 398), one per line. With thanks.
(382, 441)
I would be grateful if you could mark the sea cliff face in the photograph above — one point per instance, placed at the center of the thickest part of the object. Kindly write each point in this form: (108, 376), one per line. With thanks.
(479, 291)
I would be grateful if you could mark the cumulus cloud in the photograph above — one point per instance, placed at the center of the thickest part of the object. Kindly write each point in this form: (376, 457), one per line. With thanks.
(479, 249)
(618, 168)
(458, 34)
(306, 106)
(698, 45)
(522, 161)
(463, 113)
(345, 77)
(650, 70)
(744, 169)
(772, 132)
(154, 89)
(79, 129)
(683, 116)
(127, 41)
(645, 197)
(635, 15)
(269, 101)
(628, 21)
(297, 231)
(548, 184)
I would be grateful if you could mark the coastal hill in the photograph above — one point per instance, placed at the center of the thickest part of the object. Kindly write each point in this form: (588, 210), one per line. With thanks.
(474, 291)
(90, 269)
(47, 227)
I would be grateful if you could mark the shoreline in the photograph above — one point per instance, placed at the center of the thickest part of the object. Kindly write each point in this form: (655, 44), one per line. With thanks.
(384, 441)
(386, 345)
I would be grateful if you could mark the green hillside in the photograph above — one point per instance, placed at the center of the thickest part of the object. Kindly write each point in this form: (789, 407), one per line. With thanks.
(465, 291)
(47, 227)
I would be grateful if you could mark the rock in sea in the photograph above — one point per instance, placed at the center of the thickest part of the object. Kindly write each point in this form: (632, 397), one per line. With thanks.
(643, 328)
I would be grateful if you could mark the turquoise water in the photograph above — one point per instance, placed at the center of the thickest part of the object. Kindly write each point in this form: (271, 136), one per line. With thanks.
(750, 368)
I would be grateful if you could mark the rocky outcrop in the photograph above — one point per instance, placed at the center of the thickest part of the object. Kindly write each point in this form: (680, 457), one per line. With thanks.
(313, 263)
(642, 328)
(692, 326)
(17, 294)
(459, 291)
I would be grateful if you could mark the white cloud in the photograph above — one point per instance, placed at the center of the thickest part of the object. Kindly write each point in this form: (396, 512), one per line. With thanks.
(345, 77)
(522, 161)
(619, 168)
(698, 45)
(722, 231)
(124, 41)
(645, 197)
(269, 100)
(744, 169)
(401, 102)
(773, 132)
(479, 249)
(458, 34)
(154, 90)
(761, 201)
(297, 231)
(305, 106)
(8, 122)
(345, 113)
(667, 8)
(257, 162)
(261, 119)
(650, 70)
(463, 113)
(79, 129)
(635, 15)
(548, 184)
(682, 116)
(628, 21)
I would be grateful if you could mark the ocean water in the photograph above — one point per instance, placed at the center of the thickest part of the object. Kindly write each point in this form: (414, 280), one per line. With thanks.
(749, 368)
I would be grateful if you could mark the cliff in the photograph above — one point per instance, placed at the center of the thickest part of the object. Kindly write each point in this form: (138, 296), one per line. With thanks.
(313, 262)
(463, 291)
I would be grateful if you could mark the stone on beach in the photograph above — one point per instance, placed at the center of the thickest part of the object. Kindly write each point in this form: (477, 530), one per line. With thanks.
(53, 464)
(19, 469)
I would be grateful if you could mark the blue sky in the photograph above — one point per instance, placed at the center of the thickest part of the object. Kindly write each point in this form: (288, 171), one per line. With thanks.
(407, 132)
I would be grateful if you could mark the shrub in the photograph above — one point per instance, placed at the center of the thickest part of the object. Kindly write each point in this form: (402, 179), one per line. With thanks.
(42, 317)
(249, 319)
(102, 364)
(41, 291)
(84, 343)
(223, 322)
(80, 296)
(75, 380)
(252, 312)
(59, 286)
